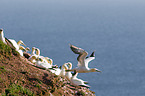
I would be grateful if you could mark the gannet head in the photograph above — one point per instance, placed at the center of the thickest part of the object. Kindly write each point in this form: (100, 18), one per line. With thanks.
(65, 66)
(1, 30)
(69, 65)
(21, 42)
(39, 59)
(33, 57)
(33, 48)
(50, 61)
(22, 48)
(37, 51)
(94, 70)
(27, 49)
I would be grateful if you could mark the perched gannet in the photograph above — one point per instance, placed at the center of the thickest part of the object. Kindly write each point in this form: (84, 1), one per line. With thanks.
(64, 67)
(25, 51)
(78, 82)
(49, 60)
(83, 61)
(21, 49)
(33, 59)
(17, 45)
(42, 64)
(33, 54)
(45, 59)
(68, 75)
(59, 71)
(33, 51)
(2, 36)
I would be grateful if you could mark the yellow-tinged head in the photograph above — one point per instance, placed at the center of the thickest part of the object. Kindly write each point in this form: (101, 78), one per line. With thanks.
(21, 42)
(1, 30)
(94, 70)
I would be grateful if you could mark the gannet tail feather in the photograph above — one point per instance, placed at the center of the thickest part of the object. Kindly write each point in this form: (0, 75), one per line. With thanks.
(85, 82)
(87, 86)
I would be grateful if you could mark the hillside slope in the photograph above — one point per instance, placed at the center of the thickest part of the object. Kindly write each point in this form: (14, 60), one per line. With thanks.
(19, 77)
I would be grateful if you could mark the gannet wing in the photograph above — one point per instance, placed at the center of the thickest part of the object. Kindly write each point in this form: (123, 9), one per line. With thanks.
(82, 54)
(9, 43)
(76, 50)
(14, 43)
(92, 57)
(81, 58)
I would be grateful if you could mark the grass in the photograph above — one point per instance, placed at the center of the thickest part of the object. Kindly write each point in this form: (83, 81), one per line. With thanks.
(6, 51)
(2, 69)
(17, 90)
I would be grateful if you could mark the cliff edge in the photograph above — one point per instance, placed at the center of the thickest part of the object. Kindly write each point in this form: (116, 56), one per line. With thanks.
(19, 77)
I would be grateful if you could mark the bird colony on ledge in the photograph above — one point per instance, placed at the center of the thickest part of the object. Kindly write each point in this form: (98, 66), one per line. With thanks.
(47, 63)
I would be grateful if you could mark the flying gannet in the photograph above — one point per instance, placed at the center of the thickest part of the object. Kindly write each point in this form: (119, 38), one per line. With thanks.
(83, 61)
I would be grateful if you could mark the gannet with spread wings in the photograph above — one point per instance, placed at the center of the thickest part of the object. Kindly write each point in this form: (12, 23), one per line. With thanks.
(83, 60)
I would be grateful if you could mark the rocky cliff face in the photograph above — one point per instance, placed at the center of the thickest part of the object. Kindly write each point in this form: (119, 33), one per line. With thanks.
(20, 77)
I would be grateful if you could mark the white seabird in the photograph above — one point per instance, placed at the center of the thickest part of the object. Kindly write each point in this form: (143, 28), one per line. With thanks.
(59, 71)
(45, 59)
(83, 61)
(41, 61)
(2, 38)
(68, 75)
(33, 56)
(17, 45)
(78, 82)
(42, 64)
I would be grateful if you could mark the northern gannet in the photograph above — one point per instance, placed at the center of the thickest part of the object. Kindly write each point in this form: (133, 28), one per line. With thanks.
(59, 71)
(42, 64)
(33, 56)
(2, 36)
(25, 52)
(45, 59)
(68, 75)
(83, 61)
(33, 51)
(17, 45)
(78, 82)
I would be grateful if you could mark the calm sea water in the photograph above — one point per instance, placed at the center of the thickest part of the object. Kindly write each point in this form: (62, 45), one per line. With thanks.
(114, 28)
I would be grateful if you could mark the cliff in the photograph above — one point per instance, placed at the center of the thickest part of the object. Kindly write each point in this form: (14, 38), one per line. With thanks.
(20, 77)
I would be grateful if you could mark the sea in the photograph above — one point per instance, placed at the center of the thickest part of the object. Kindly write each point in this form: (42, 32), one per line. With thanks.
(114, 28)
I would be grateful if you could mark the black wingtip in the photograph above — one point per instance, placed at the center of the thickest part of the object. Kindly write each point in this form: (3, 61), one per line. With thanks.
(74, 73)
(93, 54)
(85, 86)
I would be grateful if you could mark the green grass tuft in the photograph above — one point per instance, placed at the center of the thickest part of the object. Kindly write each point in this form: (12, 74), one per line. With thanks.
(17, 90)
(2, 69)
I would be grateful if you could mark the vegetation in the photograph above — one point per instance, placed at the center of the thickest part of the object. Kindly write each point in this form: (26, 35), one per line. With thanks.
(19, 78)
(17, 90)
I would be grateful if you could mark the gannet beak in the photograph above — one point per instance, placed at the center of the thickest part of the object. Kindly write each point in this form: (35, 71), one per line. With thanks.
(28, 49)
(23, 44)
(98, 71)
